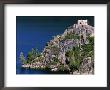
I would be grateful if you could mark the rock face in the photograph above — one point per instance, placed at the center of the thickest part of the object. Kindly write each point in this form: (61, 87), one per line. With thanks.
(86, 67)
(73, 51)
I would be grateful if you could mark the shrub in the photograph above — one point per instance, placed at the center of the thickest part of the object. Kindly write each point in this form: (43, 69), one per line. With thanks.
(32, 55)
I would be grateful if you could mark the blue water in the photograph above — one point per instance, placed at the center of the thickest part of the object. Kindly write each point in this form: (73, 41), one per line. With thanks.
(34, 32)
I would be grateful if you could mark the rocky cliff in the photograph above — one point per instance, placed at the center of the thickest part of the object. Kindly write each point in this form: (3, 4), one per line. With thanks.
(71, 51)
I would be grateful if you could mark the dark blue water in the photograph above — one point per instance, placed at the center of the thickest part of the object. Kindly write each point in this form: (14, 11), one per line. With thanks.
(34, 32)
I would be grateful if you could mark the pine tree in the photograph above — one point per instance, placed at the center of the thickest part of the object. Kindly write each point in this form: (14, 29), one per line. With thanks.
(22, 58)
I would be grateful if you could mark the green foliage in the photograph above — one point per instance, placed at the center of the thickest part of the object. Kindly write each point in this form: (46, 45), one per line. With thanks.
(53, 63)
(32, 55)
(22, 58)
(75, 59)
(74, 64)
(72, 36)
(55, 59)
(61, 67)
(91, 54)
(88, 49)
(68, 53)
(39, 58)
(29, 57)
(91, 40)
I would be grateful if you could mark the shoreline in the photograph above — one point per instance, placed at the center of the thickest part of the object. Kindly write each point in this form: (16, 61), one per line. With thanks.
(48, 71)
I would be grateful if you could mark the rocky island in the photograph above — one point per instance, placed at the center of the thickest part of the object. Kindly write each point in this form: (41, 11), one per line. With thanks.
(71, 51)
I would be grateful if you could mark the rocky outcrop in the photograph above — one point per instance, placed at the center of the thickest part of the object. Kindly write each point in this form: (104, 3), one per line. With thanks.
(55, 57)
(86, 67)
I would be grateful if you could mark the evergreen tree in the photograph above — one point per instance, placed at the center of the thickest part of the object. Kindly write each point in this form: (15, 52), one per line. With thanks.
(22, 58)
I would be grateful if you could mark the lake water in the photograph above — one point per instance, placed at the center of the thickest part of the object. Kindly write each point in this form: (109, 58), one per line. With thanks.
(34, 32)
